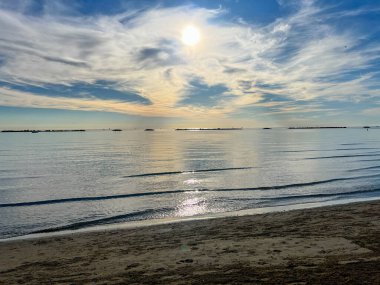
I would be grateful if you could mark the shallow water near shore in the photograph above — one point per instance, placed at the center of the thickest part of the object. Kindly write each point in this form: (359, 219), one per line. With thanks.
(64, 181)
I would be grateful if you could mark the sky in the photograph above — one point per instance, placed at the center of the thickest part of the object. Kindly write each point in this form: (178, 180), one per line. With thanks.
(134, 64)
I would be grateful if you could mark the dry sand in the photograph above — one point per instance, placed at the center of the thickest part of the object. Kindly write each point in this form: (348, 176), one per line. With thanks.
(329, 245)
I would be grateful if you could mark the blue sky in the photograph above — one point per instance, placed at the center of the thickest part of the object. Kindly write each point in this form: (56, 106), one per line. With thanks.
(100, 64)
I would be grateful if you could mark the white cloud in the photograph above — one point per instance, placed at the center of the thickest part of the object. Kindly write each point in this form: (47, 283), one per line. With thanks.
(372, 111)
(142, 52)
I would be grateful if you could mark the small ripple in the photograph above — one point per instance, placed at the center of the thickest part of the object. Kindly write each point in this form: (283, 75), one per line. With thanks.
(107, 220)
(123, 196)
(365, 168)
(186, 172)
(343, 156)
(165, 211)
(367, 160)
(4, 179)
(339, 149)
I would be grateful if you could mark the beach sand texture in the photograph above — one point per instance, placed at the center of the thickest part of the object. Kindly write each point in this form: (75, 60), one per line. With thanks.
(329, 245)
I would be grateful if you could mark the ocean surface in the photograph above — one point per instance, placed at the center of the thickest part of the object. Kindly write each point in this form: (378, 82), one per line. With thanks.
(53, 181)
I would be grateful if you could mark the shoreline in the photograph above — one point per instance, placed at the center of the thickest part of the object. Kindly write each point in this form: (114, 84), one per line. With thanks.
(173, 220)
(324, 245)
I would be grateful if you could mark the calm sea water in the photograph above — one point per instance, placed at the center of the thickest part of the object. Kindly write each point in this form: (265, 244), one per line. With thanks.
(73, 180)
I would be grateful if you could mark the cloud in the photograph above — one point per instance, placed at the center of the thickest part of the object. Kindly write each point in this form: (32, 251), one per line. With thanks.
(299, 58)
(200, 94)
(153, 57)
(372, 111)
(100, 89)
(66, 61)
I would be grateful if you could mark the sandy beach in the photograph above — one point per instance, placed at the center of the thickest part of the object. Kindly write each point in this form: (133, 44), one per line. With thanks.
(328, 245)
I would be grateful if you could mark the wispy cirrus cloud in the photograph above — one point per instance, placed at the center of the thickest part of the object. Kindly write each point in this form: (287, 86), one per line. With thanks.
(301, 57)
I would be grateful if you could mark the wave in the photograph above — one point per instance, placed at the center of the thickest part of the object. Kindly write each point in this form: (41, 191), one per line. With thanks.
(343, 156)
(314, 150)
(365, 168)
(358, 148)
(303, 150)
(322, 195)
(316, 195)
(187, 171)
(132, 195)
(107, 220)
(141, 215)
(6, 170)
(18, 178)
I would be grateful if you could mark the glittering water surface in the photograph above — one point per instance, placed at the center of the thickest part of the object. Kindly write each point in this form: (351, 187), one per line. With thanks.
(73, 180)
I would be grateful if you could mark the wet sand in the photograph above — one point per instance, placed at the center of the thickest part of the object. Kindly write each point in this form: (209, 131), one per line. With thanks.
(329, 245)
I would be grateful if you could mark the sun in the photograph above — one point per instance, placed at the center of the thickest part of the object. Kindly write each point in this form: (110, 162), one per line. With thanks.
(191, 36)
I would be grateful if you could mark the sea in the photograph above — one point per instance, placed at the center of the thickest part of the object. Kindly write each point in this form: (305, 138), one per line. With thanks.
(78, 180)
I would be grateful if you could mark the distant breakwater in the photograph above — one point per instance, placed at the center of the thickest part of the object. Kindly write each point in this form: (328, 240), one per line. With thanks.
(40, 131)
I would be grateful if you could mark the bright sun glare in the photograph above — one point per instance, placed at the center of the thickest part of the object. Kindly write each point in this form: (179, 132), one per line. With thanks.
(190, 36)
